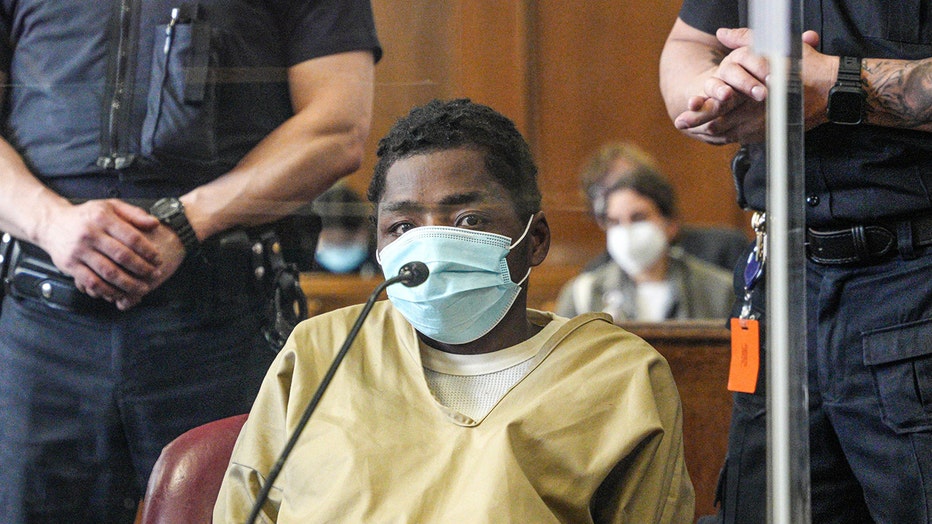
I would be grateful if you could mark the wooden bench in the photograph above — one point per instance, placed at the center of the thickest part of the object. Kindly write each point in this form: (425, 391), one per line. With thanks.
(326, 292)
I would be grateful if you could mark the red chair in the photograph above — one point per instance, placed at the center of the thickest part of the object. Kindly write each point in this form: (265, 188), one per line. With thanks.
(186, 478)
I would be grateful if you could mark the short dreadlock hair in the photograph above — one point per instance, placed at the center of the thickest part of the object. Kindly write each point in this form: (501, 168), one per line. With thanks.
(442, 125)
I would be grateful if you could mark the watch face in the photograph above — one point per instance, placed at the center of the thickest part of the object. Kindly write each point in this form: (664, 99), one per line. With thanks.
(166, 207)
(845, 107)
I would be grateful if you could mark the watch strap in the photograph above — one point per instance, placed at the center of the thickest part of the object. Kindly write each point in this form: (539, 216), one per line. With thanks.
(185, 232)
(849, 71)
(847, 98)
(177, 221)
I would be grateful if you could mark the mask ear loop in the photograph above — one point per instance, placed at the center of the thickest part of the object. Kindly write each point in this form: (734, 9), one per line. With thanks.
(526, 229)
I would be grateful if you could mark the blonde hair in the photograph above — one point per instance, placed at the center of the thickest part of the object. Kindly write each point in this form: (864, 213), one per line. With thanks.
(600, 176)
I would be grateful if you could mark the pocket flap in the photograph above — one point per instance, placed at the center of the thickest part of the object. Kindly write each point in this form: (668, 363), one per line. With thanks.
(900, 342)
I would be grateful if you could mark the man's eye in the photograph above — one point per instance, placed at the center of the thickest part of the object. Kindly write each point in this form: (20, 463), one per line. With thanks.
(399, 229)
(469, 221)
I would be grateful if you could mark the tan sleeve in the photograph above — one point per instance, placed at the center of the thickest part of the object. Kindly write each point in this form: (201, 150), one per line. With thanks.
(651, 485)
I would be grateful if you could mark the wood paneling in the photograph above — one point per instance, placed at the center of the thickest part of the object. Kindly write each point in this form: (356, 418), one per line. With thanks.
(326, 291)
(572, 75)
(597, 82)
(476, 49)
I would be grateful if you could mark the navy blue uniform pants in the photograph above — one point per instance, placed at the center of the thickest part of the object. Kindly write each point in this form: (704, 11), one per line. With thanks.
(870, 401)
(88, 400)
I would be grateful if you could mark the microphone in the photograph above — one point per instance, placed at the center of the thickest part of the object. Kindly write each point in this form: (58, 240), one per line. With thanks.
(411, 274)
(416, 272)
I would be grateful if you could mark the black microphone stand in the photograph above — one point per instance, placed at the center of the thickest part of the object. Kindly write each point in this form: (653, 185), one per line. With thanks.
(411, 274)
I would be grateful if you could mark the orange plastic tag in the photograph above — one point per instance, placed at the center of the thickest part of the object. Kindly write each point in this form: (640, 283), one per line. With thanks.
(745, 355)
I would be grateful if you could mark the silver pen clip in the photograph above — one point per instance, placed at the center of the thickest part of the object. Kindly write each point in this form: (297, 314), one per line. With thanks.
(170, 28)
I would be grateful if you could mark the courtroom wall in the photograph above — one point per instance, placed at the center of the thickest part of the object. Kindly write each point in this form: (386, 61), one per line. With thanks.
(571, 74)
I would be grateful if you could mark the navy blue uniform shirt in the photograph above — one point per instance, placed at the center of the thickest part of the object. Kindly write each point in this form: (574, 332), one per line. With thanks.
(859, 173)
(106, 88)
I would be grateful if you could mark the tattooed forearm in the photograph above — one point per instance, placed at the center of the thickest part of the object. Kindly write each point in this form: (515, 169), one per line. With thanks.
(899, 92)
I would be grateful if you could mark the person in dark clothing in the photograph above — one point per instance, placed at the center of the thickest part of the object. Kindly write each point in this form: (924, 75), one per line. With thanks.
(865, 75)
(147, 148)
(346, 243)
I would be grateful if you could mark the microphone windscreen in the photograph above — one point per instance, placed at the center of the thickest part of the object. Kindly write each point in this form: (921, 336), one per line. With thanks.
(417, 273)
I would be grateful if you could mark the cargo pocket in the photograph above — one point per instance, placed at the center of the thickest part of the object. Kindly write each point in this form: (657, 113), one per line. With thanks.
(180, 122)
(900, 359)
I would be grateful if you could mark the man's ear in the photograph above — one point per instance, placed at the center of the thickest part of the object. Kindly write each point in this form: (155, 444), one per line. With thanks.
(540, 239)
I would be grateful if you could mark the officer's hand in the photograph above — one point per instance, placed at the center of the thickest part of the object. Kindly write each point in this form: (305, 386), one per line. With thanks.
(171, 254)
(732, 107)
(106, 246)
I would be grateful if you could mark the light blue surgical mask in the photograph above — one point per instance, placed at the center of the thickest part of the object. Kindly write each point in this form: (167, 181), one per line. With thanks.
(341, 258)
(469, 289)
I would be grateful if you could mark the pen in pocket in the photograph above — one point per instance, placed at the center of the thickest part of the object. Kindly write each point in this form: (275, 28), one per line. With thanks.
(176, 18)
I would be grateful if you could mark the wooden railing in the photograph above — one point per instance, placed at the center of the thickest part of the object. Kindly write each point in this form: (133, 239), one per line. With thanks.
(326, 292)
(697, 351)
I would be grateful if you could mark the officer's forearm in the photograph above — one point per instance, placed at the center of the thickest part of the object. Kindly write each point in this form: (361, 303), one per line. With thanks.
(899, 92)
(323, 141)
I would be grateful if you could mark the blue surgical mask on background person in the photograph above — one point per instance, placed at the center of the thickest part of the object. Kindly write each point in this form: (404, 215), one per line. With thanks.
(469, 289)
(341, 258)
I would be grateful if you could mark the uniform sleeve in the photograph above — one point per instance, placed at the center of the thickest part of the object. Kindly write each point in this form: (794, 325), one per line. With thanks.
(651, 484)
(316, 28)
(709, 15)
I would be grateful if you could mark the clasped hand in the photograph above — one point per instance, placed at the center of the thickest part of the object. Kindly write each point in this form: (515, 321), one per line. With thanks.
(732, 107)
(113, 250)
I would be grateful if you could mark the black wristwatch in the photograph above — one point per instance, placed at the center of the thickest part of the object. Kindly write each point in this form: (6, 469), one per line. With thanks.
(846, 99)
(170, 211)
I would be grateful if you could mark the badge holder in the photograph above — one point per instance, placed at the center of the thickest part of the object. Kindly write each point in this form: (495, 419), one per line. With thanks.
(745, 330)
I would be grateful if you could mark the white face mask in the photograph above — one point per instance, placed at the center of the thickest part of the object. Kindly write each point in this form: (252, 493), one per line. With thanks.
(636, 246)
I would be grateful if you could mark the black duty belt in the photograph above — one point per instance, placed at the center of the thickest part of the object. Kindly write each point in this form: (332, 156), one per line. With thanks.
(867, 244)
(31, 273)
(27, 271)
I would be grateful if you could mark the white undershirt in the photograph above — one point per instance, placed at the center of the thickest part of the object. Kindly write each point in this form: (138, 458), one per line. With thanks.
(654, 300)
(474, 384)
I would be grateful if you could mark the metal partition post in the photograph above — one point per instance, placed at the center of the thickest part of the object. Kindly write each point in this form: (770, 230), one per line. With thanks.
(777, 29)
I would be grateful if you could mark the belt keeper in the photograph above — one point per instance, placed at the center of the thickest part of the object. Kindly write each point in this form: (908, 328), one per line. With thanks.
(904, 240)
(861, 246)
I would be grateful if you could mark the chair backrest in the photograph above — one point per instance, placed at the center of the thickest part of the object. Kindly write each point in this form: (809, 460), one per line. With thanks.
(186, 478)
(722, 246)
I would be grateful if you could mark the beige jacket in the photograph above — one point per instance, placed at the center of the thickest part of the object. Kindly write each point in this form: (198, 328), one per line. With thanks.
(593, 433)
